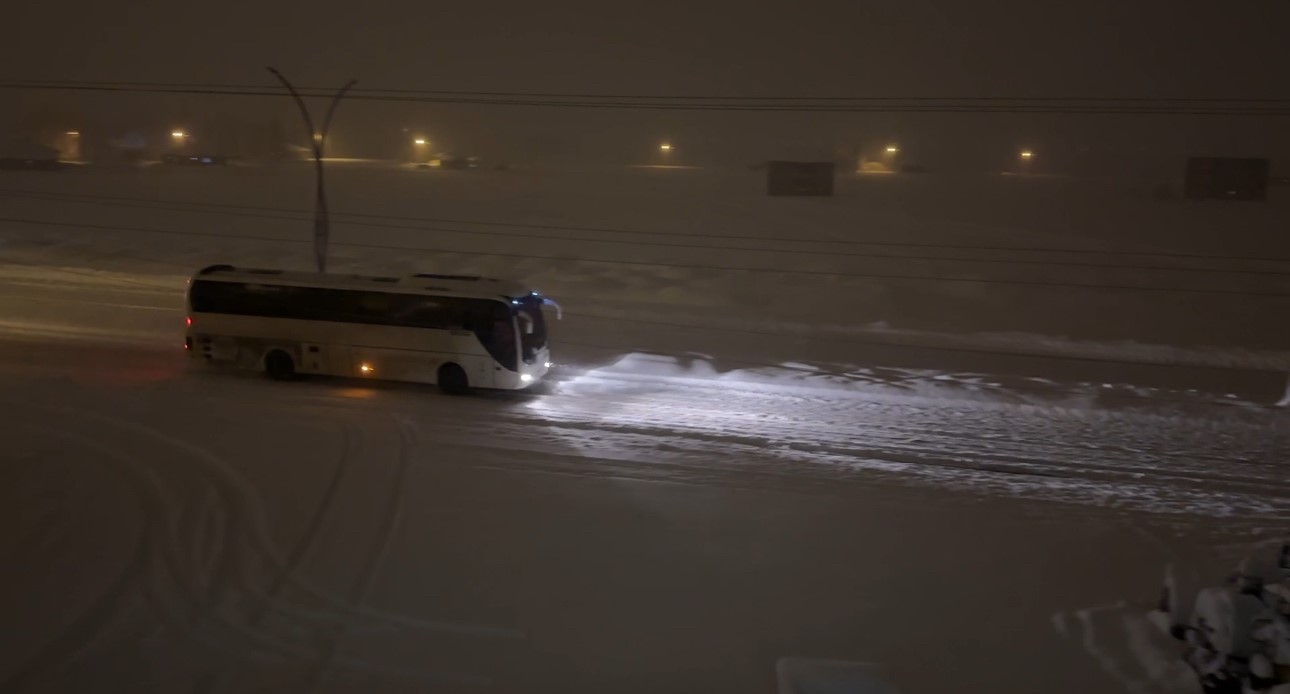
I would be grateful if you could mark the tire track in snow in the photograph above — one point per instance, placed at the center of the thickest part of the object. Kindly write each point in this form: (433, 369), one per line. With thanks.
(160, 575)
(352, 448)
(387, 530)
(1023, 457)
(322, 669)
(922, 461)
(819, 467)
(1009, 460)
(213, 624)
(80, 634)
(1017, 450)
(242, 502)
(394, 517)
(157, 563)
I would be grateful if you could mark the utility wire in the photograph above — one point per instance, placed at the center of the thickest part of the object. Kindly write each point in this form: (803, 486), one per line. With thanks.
(682, 266)
(829, 338)
(1109, 108)
(300, 215)
(1045, 356)
(275, 89)
(155, 203)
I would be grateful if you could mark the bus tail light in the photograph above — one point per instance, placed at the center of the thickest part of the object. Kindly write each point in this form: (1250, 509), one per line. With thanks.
(188, 321)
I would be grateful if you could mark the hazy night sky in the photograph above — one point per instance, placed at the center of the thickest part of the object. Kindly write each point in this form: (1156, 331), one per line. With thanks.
(913, 47)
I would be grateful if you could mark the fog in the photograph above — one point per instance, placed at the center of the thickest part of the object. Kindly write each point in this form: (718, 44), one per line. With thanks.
(879, 347)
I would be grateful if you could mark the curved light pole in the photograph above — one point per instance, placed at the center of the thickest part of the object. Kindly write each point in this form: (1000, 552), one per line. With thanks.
(322, 225)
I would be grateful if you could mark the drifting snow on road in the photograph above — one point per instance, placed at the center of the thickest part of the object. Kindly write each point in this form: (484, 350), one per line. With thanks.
(670, 416)
(929, 429)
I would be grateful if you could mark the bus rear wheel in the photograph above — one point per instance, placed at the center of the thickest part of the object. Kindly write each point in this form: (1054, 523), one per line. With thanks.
(452, 380)
(279, 365)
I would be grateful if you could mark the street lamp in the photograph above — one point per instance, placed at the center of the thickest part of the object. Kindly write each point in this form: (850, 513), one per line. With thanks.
(178, 135)
(892, 149)
(322, 222)
(421, 142)
(1027, 154)
(665, 147)
(72, 145)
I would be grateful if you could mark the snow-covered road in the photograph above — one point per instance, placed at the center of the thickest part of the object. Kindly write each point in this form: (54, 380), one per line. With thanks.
(678, 416)
(701, 490)
(326, 536)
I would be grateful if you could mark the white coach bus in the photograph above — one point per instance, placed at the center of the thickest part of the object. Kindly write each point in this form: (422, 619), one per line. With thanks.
(455, 331)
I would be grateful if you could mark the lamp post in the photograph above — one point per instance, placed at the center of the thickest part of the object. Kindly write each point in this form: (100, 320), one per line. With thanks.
(317, 137)
(890, 154)
(665, 150)
(73, 149)
(1024, 159)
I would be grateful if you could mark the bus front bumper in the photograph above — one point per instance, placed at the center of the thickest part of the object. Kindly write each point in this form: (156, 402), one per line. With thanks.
(531, 374)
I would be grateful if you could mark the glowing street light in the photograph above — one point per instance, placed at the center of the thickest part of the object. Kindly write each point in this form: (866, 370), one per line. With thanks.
(74, 133)
(421, 142)
(892, 149)
(665, 147)
(1027, 154)
(178, 134)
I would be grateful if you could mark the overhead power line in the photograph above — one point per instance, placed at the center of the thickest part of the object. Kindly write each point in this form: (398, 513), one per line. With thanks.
(857, 104)
(275, 89)
(299, 215)
(795, 334)
(683, 266)
(179, 205)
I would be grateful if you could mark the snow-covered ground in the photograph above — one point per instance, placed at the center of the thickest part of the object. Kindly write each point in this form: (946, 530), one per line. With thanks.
(729, 468)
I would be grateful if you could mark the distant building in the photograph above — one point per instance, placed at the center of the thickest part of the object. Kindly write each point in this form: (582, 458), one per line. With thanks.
(26, 154)
(1226, 178)
(799, 178)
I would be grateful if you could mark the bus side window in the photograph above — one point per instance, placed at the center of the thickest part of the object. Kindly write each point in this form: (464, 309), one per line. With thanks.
(373, 307)
(456, 313)
(477, 316)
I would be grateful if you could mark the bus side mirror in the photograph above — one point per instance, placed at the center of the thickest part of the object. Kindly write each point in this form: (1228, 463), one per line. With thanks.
(559, 312)
(526, 323)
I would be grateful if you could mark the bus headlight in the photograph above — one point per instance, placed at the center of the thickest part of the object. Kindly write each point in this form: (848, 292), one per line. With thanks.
(526, 378)
(547, 365)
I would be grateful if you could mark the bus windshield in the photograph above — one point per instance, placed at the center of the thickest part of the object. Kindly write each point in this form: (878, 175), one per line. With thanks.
(532, 325)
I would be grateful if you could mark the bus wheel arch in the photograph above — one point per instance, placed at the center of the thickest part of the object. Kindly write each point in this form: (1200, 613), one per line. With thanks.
(453, 380)
(279, 364)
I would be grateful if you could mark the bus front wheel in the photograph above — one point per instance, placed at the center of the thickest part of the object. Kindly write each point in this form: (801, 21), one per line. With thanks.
(452, 380)
(279, 365)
